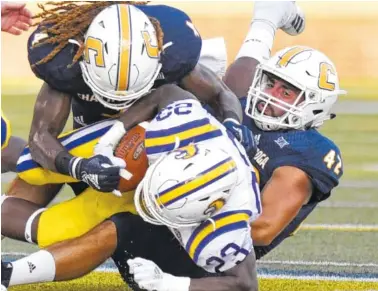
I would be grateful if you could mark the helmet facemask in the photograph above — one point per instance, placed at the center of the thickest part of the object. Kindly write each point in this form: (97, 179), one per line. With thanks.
(116, 100)
(300, 114)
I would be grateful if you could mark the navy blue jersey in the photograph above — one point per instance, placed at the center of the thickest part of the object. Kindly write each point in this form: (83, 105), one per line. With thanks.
(182, 42)
(182, 47)
(307, 150)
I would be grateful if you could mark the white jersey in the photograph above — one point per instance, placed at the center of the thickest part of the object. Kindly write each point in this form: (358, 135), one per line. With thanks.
(223, 241)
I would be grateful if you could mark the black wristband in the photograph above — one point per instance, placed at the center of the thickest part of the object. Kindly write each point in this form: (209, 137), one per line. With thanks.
(62, 162)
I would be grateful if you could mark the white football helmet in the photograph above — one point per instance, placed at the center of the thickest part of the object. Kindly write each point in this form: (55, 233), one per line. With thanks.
(306, 69)
(121, 56)
(186, 186)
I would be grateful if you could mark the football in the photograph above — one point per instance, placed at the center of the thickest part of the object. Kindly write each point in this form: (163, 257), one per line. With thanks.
(131, 150)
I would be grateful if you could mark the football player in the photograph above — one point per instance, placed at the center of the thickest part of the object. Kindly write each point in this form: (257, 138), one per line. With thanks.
(208, 201)
(126, 51)
(286, 98)
(310, 173)
(54, 55)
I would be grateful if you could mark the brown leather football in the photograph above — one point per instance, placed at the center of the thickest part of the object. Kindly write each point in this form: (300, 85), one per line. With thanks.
(131, 150)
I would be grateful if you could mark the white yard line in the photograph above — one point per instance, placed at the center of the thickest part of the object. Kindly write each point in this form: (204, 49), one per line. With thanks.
(271, 262)
(287, 277)
(319, 263)
(348, 204)
(341, 227)
(318, 278)
(277, 276)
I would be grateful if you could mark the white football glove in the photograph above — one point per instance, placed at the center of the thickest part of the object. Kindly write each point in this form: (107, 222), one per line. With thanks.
(286, 15)
(109, 141)
(150, 277)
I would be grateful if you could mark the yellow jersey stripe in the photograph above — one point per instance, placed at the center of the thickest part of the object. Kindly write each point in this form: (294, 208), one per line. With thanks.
(257, 174)
(224, 222)
(190, 133)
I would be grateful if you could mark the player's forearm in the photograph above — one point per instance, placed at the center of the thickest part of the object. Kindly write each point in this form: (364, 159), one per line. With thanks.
(230, 105)
(51, 112)
(44, 149)
(149, 106)
(142, 110)
(208, 88)
(227, 102)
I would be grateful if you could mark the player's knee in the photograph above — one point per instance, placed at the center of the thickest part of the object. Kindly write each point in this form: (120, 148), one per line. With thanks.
(105, 230)
(19, 218)
(104, 235)
(124, 225)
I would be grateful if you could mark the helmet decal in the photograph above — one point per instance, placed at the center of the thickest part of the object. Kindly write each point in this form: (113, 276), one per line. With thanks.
(285, 59)
(124, 47)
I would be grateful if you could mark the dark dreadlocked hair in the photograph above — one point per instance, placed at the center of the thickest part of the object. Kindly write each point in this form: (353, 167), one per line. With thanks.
(70, 20)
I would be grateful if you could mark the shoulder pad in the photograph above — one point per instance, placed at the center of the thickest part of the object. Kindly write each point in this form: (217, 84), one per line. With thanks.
(182, 42)
(57, 72)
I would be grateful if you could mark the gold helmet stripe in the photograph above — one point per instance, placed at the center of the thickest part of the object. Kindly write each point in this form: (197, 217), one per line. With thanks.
(125, 47)
(290, 54)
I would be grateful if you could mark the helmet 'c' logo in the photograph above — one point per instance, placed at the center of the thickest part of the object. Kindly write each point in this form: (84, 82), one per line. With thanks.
(290, 54)
(214, 206)
(324, 80)
(152, 51)
(186, 152)
(96, 45)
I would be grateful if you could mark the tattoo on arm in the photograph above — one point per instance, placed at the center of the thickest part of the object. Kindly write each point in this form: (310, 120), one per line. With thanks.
(51, 112)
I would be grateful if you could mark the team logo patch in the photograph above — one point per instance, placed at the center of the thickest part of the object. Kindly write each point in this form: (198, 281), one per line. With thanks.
(281, 142)
(186, 152)
(215, 206)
